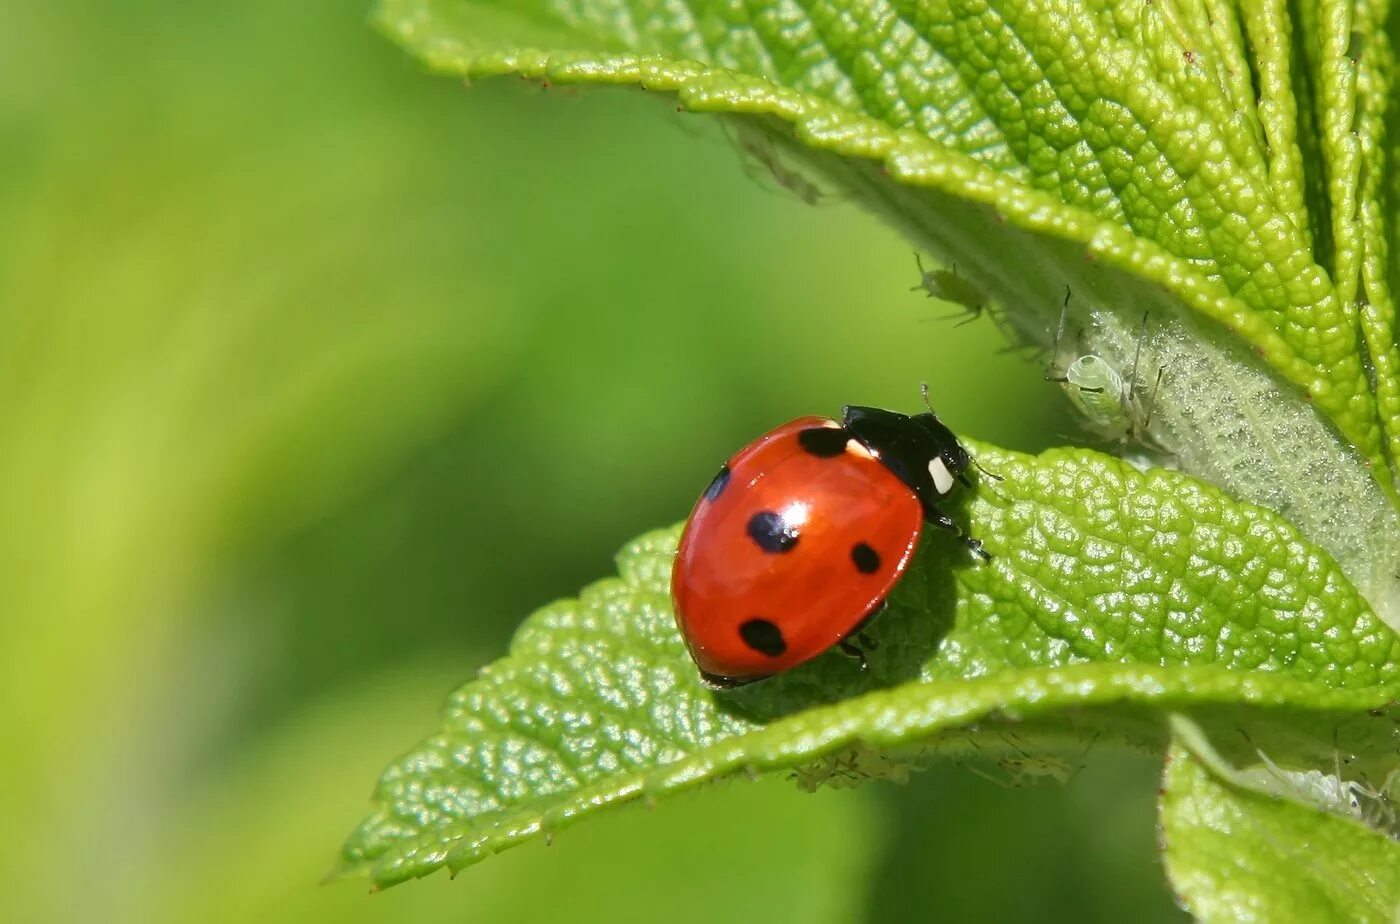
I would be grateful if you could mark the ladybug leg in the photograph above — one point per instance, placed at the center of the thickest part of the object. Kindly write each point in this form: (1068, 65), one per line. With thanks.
(939, 518)
(943, 521)
(718, 683)
(976, 548)
(853, 651)
(858, 633)
(857, 643)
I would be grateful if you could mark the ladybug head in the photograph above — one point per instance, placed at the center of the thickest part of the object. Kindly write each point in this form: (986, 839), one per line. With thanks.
(918, 449)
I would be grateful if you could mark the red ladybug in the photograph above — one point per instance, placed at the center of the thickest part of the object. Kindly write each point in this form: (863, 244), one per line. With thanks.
(801, 536)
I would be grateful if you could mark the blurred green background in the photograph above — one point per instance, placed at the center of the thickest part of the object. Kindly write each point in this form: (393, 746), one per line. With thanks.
(317, 374)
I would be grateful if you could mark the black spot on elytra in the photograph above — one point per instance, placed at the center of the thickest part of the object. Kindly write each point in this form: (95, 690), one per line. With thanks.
(824, 442)
(717, 486)
(771, 532)
(866, 559)
(764, 637)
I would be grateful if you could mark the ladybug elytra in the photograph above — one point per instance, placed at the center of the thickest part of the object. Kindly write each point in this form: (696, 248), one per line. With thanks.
(803, 533)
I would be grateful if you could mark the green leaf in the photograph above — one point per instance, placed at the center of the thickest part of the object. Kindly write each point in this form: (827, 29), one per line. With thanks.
(1112, 595)
(1223, 172)
(1234, 853)
(815, 857)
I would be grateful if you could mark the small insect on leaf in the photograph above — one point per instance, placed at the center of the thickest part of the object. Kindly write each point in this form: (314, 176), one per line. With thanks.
(948, 286)
(853, 767)
(1330, 792)
(1112, 405)
(1022, 768)
(763, 161)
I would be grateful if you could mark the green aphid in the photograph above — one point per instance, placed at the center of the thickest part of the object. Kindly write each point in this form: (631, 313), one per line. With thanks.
(1027, 769)
(1111, 405)
(950, 287)
(1354, 799)
(1101, 395)
(1329, 792)
(762, 161)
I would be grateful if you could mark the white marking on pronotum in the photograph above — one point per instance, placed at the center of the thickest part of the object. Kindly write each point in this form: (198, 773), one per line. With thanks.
(942, 478)
(860, 449)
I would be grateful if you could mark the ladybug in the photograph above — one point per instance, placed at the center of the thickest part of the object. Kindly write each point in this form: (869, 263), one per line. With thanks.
(803, 533)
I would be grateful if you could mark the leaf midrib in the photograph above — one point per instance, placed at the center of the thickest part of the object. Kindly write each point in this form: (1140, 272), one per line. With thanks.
(891, 717)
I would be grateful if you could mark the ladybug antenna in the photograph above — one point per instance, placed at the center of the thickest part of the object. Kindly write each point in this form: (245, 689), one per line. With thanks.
(978, 466)
(923, 390)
